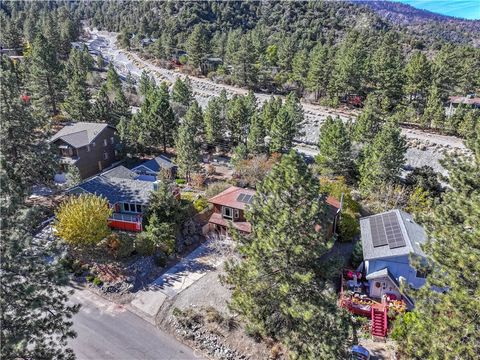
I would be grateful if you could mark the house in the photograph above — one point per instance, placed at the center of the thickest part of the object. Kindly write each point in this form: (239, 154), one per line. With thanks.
(126, 192)
(91, 147)
(470, 102)
(150, 169)
(389, 240)
(229, 208)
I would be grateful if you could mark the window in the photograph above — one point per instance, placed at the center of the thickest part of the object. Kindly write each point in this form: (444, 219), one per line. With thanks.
(105, 155)
(227, 212)
(105, 142)
(236, 213)
(421, 273)
(112, 140)
(88, 148)
(116, 153)
(93, 144)
(139, 208)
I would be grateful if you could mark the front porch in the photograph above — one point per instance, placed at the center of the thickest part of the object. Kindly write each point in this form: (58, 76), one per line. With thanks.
(126, 222)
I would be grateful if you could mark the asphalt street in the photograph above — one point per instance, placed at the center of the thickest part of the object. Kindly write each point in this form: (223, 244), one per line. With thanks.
(108, 331)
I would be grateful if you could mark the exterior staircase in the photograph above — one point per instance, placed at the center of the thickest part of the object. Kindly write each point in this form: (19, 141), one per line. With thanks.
(379, 320)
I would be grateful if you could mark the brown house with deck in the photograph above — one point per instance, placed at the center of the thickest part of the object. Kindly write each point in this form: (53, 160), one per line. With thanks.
(229, 208)
(91, 147)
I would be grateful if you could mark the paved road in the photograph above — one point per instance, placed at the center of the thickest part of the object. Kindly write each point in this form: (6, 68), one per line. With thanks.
(108, 331)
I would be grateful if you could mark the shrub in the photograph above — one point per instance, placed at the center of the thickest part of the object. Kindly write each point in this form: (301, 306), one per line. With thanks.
(90, 278)
(97, 282)
(357, 254)
(160, 259)
(348, 228)
(143, 244)
(120, 245)
(198, 180)
(216, 188)
(83, 220)
(200, 204)
(180, 181)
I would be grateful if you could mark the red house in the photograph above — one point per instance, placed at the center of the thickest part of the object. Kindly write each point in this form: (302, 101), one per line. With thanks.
(229, 207)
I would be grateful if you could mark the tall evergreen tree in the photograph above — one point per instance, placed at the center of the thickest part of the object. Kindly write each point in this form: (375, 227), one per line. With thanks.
(256, 136)
(113, 80)
(197, 46)
(44, 74)
(319, 71)
(370, 121)
(287, 125)
(102, 108)
(387, 69)
(445, 324)
(145, 84)
(335, 154)
(214, 124)
(244, 70)
(194, 117)
(237, 120)
(383, 158)
(279, 286)
(182, 91)
(187, 145)
(434, 113)
(300, 64)
(418, 80)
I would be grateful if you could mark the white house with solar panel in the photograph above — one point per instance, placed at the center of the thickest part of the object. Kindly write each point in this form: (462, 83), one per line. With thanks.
(388, 240)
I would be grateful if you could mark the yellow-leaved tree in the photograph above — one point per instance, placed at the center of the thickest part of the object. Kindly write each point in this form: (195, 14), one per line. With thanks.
(83, 220)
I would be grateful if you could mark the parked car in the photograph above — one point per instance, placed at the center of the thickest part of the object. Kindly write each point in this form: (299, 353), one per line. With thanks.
(360, 353)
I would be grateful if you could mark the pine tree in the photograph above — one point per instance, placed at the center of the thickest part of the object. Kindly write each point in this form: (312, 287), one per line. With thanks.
(446, 70)
(434, 113)
(113, 80)
(278, 285)
(120, 106)
(187, 149)
(145, 84)
(77, 101)
(418, 80)
(319, 71)
(335, 154)
(370, 121)
(287, 125)
(350, 66)
(387, 69)
(269, 112)
(194, 117)
(256, 136)
(444, 324)
(244, 71)
(35, 314)
(24, 147)
(300, 68)
(383, 158)
(237, 120)
(102, 108)
(158, 123)
(197, 45)
(214, 122)
(44, 73)
(182, 91)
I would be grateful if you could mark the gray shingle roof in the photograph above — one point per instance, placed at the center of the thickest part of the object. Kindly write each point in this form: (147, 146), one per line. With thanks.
(116, 186)
(413, 234)
(157, 163)
(79, 134)
(120, 172)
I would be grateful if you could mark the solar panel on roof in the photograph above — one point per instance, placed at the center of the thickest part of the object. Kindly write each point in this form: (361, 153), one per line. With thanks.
(386, 230)
(241, 197)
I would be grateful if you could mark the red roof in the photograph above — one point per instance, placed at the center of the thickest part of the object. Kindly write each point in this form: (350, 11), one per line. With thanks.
(230, 196)
(465, 100)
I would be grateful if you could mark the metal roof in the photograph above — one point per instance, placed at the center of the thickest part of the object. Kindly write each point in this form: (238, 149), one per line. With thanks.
(155, 164)
(120, 172)
(79, 134)
(374, 248)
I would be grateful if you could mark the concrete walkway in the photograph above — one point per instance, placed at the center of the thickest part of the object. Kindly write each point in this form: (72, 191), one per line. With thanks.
(148, 302)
